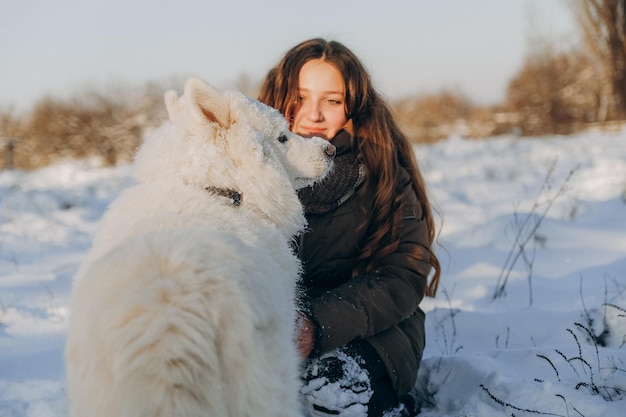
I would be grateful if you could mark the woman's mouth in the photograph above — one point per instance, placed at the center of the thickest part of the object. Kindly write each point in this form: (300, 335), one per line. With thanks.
(308, 132)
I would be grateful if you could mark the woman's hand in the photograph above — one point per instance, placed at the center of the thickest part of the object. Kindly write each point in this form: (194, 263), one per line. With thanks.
(305, 333)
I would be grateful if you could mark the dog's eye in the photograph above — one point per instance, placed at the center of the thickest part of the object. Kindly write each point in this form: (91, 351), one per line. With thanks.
(282, 138)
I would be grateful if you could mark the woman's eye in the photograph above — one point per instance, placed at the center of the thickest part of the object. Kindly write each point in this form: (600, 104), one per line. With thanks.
(282, 138)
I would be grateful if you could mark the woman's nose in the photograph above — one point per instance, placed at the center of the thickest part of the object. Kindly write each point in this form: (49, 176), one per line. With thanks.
(314, 112)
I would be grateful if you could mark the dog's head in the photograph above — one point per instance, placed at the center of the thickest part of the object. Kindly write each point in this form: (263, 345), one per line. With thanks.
(223, 139)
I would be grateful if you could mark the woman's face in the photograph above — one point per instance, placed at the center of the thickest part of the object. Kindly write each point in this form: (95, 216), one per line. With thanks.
(320, 110)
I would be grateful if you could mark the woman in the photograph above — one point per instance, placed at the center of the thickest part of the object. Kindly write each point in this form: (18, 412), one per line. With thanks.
(367, 253)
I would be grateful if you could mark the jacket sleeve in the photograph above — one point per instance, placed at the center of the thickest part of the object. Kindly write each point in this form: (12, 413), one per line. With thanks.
(369, 304)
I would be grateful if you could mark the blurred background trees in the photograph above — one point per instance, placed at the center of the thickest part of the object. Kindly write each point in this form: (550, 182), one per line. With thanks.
(108, 126)
(557, 90)
(603, 26)
(555, 93)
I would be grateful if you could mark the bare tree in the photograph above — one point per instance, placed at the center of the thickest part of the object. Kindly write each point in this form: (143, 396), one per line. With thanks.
(554, 92)
(603, 25)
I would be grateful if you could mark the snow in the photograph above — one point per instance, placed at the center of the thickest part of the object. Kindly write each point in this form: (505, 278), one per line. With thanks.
(527, 352)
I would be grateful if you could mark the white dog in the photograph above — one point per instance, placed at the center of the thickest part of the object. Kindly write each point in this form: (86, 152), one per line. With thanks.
(185, 305)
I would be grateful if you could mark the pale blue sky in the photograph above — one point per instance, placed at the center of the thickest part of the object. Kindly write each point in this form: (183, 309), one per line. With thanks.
(411, 47)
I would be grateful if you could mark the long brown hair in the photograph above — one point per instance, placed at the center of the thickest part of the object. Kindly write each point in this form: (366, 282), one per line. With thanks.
(382, 147)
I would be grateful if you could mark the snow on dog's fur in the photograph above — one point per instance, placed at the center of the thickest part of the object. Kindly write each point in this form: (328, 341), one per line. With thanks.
(185, 305)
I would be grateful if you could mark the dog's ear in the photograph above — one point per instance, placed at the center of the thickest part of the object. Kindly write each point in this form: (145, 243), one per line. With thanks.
(173, 105)
(207, 103)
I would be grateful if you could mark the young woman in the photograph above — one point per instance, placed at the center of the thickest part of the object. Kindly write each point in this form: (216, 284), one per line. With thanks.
(368, 252)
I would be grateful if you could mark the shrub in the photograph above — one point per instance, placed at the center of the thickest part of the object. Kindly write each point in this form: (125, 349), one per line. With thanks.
(106, 126)
(556, 93)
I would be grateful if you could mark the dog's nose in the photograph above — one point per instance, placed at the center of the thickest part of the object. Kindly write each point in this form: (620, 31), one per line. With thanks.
(330, 150)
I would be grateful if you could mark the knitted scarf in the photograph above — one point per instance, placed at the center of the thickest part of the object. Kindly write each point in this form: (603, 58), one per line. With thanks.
(344, 179)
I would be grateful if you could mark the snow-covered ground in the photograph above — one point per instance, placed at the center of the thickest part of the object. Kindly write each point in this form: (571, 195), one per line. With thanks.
(533, 248)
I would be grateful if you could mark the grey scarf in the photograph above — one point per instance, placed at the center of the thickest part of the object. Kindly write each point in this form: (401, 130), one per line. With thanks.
(344, 179)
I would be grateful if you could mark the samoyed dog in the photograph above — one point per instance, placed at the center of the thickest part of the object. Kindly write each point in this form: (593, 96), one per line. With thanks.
(185, 305)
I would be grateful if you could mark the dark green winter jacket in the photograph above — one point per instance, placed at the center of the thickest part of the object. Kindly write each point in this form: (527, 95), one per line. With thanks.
(382, 306)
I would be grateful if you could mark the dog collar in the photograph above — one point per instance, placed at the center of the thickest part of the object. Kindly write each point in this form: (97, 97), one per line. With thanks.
(228, 193)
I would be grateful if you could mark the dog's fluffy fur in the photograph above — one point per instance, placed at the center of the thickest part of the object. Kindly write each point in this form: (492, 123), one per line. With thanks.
(185, 305)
